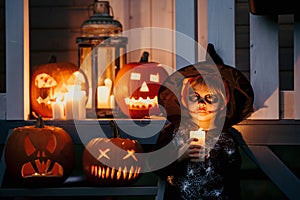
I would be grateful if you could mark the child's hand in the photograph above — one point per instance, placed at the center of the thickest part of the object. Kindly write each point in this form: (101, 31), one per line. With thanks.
(190, 151)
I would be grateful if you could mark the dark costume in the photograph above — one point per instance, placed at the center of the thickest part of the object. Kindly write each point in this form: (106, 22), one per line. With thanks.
(218, 176)
(215, 178)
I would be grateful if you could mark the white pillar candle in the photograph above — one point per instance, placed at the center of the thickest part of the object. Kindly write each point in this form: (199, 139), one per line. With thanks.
(69, 106)
(81, 105)
(89, 101)
(112, 101)
(103, 97)
(200, 135)
(75, 103)
(58, 110)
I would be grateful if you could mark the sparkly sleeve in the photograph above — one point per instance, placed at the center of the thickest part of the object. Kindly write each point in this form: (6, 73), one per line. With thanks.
(227, 161)
(165, 137)
(225, 155)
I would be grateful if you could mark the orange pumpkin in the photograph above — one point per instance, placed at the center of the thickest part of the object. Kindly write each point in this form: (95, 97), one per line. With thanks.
(136, 87)
(112, 161)
(45, 81)
(41, 155)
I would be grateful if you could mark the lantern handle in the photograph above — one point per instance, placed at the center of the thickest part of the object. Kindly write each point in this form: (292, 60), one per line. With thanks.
(91, 7)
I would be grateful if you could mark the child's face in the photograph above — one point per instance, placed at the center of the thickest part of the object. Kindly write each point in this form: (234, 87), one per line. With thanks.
(202, 104)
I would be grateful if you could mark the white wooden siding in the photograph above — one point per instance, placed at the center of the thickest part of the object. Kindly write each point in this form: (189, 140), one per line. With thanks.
(177, 15)
(221, 31)
(185, 33)
(297, 68)
(142, 22)
(134, 14)
(264, 66)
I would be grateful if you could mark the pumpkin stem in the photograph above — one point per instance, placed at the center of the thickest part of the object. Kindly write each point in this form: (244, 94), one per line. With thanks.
(114, 128)
(39, 122)
(145, 57)
(52, 59)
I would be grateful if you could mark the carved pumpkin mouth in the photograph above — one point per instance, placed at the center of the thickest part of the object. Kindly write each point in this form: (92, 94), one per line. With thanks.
(113, 173)
(42, 169)
(141, 103)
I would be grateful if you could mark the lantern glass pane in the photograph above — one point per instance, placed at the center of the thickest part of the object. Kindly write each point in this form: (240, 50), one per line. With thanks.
(101, 64)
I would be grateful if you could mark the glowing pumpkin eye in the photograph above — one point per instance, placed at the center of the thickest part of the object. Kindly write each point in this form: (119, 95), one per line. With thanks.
(103, 154)
(130, 153)
(135, 76)
(154, 78)
(51, 146)
(29, 148)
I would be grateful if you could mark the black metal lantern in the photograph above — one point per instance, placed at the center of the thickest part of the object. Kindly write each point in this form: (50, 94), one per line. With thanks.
(101, 54)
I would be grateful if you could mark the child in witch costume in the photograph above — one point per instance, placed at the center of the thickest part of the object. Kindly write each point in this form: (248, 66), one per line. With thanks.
(206, 98)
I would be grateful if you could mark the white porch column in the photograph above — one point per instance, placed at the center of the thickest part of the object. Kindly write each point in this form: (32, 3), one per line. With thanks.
(297, 68)
(221, 28)
(186, 48)
(264, 66)
(17, 59)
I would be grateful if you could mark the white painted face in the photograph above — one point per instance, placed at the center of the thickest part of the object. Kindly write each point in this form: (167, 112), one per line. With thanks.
(205, 100)
(202, 103)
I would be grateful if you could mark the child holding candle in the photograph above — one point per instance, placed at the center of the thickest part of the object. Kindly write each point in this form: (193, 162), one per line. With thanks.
(206, 157)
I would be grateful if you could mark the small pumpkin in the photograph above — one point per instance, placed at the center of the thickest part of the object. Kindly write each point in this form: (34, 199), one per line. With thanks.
(136, 87)
(39, 155)
(46, 80)
(112, 161)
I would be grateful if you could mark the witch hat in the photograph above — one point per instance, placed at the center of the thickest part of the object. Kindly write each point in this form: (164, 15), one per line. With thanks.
(240, 105)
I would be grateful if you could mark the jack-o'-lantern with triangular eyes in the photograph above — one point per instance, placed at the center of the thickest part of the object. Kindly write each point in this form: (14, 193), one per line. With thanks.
(113, 161)
(136, 87)
(40, 155)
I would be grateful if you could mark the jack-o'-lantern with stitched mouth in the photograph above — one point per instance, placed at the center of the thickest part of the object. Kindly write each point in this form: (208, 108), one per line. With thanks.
(40, 155)
(113, 161)
(136, 87)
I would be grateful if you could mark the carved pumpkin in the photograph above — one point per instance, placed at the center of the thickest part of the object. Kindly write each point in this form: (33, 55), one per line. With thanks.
(47, 80)
(136, 87)
(39, 155)
(112, 161)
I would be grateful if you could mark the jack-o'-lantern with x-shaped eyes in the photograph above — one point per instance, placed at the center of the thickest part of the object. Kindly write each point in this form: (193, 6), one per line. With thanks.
(136, 87)
(39, 155)
(113, 161)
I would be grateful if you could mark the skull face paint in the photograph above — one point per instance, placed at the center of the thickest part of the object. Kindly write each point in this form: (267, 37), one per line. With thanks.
(203, 100)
